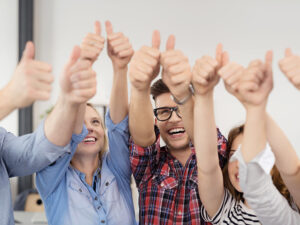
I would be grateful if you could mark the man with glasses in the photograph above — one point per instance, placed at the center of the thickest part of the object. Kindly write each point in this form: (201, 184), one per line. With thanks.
(166, 176)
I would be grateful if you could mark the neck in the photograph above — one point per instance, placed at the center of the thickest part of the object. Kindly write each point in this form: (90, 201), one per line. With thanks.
(181, 155)
(246, 204)
(87, 165)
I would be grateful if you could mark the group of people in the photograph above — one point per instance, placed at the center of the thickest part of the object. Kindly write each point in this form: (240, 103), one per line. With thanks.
(83, 166)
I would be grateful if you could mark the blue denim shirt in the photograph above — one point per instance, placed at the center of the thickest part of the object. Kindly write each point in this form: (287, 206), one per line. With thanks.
(68, 199)
(21, 156)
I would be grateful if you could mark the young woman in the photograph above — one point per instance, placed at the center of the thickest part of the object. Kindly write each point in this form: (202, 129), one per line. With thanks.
(220, 205)
(91, 185)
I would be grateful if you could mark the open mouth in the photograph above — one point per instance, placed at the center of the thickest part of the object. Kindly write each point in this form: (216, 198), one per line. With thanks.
(90, 140)
(178, 131)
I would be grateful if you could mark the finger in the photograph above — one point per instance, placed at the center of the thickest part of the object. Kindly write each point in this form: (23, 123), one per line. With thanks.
(42, 76)
(28, 52)
(255, 63)
(219, 51)
(156, 39)
(42, 66)
(41, 95)
(84, 84)
(288, 52)
(108, 27)
(121, 47)
(73, 57)
(82, 64)
(126, 53)
(170, 42)
(268, 62)
(81, 75)
(225, 58)
(97, 28)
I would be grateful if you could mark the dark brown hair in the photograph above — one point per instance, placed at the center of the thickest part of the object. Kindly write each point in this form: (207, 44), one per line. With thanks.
(277, 180)
(158, 88)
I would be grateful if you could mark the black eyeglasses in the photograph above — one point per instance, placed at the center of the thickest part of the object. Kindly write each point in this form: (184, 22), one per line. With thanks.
(165, 113)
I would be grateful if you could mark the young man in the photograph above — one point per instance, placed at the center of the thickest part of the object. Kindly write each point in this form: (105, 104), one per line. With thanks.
(166, 176)
(20, 156)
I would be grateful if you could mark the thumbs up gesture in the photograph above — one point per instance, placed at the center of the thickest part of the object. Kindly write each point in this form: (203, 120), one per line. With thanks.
(119, 48)
(205, 71)
(78, 80)
(92, 44)
(144, 66)
(31, 81)
(290, 66)
(176, 70)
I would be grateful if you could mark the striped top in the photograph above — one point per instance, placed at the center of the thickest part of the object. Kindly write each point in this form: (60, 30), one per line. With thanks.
(231, 212)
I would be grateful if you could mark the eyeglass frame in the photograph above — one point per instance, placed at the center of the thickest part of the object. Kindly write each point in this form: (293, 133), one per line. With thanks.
(170, 108)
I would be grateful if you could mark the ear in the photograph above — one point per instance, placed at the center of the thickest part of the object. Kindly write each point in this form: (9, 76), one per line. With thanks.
(155, 122)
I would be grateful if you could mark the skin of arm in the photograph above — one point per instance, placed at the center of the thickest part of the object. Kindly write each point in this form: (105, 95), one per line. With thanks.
(210, 178)
(120, 52)
(144, 67)
(30, 82)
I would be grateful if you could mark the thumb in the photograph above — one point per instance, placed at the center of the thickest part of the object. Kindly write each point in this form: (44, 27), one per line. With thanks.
(97, 28)
(108, 27)
(156, 39)
(268, 61)
(28, 52)
(219, 51)
(170, 42)
(288, 52)
(225, 58)
(74, 56)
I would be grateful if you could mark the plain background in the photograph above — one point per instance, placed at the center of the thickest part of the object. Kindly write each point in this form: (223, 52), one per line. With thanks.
(247, 30)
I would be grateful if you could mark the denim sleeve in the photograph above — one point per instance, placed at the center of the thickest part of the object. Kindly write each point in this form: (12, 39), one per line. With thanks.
(118, 140)
(49, 178)
(29, 153)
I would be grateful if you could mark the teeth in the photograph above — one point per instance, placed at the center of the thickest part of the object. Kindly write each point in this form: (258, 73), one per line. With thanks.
(90, 139)
(176, 130)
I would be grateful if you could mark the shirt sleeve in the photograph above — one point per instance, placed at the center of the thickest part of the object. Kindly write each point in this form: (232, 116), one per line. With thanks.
(144, 159)
(222, 144)
(29, 153)
(222, 211)
(261, 194)
(49, 178)
(118, 139)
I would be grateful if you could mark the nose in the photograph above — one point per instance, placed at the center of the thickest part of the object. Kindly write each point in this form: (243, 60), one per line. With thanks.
(89, 127)
(174, 117)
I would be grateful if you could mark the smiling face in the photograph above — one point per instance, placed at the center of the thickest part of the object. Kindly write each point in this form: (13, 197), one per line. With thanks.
(233, 167)
(172, 130)
(93, 143)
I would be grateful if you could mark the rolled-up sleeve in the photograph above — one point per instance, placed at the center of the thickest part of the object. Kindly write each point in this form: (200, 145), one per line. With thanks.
(260, 192)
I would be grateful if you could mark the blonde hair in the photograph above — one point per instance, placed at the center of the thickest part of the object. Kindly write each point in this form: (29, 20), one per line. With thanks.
(105, 143)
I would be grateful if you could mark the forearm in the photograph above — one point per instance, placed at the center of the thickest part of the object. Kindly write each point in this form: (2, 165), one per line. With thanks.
(254, 140)
(60, 124)
(118, 103)
(287, 160)
(210, 176)
(6, 106)
(79, 119)
(141, 120)
(187, 112)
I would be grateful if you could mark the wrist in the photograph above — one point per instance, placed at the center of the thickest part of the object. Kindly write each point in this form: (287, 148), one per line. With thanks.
(184, 97)
(7, 99)
(120, 69)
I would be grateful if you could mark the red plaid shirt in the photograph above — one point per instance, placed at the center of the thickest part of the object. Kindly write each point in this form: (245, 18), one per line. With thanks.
(168, 191)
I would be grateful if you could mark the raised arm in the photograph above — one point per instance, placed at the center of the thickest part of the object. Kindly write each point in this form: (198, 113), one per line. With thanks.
(210, 178)
(30, 82)
(120, 52)
(78, 84)
(177, 76)
(143, 69)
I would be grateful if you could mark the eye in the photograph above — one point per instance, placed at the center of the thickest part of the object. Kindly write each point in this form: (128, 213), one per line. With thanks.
(163, 111)
(95, 121)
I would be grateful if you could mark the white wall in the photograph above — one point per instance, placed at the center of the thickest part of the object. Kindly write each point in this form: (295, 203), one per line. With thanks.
(246, 28)
(9, 59)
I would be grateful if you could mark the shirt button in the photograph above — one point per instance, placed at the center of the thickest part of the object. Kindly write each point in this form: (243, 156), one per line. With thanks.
(102, 221)
(96, 198)
(99, 207)
(179, 213)
(162, 184)
(107, 183)
(80, 189)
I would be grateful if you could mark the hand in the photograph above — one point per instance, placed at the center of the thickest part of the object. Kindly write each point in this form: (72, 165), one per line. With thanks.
(78, 80)
(290, 66)
(205, 72)
(119, 48)
(144, 66)
(177, 73)
(31, 81)
(92, 44)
